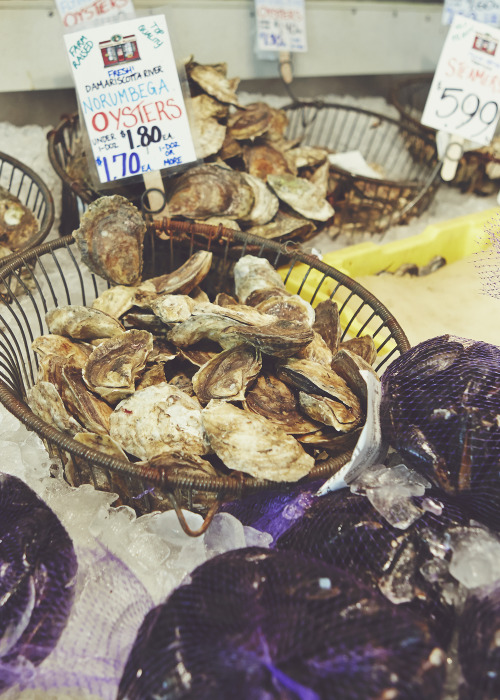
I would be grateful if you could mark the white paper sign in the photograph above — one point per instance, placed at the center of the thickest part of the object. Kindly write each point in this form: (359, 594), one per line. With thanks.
(75, 13)
(130, 97)
(487, 11)
(464, 97)
(281, 25)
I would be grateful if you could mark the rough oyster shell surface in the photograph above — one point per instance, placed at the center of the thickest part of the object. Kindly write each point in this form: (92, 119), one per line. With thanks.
(228, 374)
(110, 239)
(18, 224)
(248, 442)
(82, 323)
(160, 418)
(252, 273)
(303, 196)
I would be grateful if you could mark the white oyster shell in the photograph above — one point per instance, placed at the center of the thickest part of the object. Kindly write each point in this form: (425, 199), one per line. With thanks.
(251, 273)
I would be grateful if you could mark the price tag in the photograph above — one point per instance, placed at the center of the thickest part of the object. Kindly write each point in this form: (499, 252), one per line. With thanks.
(464, 96)
(130, 97)
(281, 25)
(487, 11)
(75, 13)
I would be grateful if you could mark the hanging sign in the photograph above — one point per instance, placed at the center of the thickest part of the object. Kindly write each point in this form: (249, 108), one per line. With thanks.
(130, 97)
(464, 97)
(487, 11)
(75, 13)
(281, 25)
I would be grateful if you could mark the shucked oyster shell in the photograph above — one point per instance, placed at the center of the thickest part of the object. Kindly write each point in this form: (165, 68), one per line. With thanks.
(248, 442)
(301, 195)
(112, 368)
(227, 375)
(158, 419)
(210, 190)
(110, 239)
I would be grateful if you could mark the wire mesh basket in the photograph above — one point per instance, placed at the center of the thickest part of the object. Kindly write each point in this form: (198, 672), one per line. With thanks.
(57, 278)
(409, 177)
(478, 170)
(22, 182)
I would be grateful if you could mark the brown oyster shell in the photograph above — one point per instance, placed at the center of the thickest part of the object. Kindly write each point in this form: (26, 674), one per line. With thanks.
(82, 472)
(200, 353)
(82, 323)
(144, 321)
(330, 412)
(154, 374)
(208, 131)
(265, 205)
(110, 239)
(228, 374)
(327, 323)
(210, 190)
(45, 401)
(173, 308)
(92, 412)
(291, 307)
(274, 400)
(259, 296)
(317, 351)
(364, 346)
(18, 224)
(303, 196)
(183, 382)
(158, 419)
(115, 301)
(252, 273)
(263, 160)
(185, 278)
(112, 368)
(60, 345)
(247, 442)
(281, 339)
(302, 156)
(284, 225)
(331, 440)
(212, 79)
(250, 121)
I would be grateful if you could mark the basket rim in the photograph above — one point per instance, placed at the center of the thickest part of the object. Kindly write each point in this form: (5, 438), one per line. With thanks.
(226, 485)
(415, 131)
(48, 219)
(395, 100)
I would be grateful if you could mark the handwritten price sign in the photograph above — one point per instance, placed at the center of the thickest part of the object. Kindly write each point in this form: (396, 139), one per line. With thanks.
(487, 11)
(130, 97)
(78, 12)
(281, 25)
(464, 98)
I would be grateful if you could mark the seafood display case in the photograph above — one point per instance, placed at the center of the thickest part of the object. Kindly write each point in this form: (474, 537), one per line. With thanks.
(57, 278)
(26, 208)
(478, 169)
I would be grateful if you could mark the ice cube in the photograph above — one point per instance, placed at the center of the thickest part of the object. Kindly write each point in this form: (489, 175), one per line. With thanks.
(476, 556)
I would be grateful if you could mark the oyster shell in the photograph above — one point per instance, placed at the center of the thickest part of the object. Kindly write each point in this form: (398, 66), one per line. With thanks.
(45, 401)
(18, 224)
(364, 346)
(115, 301)
(252, 273)
(265, 205)
(173, 308)
(110, 239)
(158, 419)
(321, 179)
(80, 471)
(112, 368)
(228, 374)
(263, 160)
(248, 442)
(325, 410)
(200, 353)
(212, 79)
(210, 190)
(152, 375)
(331, 440)
(303, 196)
(284, 225)
(273, 399)
(317, 351)
(82, 323)
(302, 156)
(250, 121)
(93, 413)
(288, 306)
(184, 279)
(327, 323)
(209, 132)
(280, 339)
(53, 344)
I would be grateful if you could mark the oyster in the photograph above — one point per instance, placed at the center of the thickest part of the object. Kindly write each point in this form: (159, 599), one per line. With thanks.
(152, 375)
(93, 413)
(110, 239)
(209, 132)
(248, 442)
(160, 418)
(185, 278)
(82, 472)
(61, 346)
(303, 196)
(281, 339)
(82, 323)
(210, 190)
(341, 416)
(284, 225)
(46, 402)
(265, 204)
(290, 306)
(302, 156)
(228, 374)
(212, 79)
(263, 160)
(18, 224)
(173, 308)
(364, 346)
(113, 366)
(327, 323)
(317, 351)
(251, 121)
(115, 301)
(252, 273)
(274, 400)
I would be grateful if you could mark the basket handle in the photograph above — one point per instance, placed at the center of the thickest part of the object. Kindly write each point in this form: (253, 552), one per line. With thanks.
(182, 520)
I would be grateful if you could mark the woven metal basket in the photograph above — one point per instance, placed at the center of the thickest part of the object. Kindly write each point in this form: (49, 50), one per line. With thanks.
(31, 190)
(409, 175)
(57, 277)
(476, 167)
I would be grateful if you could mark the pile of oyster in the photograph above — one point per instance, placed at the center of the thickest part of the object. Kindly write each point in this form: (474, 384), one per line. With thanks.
(257, 382)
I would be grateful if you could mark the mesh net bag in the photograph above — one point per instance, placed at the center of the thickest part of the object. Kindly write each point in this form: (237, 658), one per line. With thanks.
(258, 623)
(440, 408)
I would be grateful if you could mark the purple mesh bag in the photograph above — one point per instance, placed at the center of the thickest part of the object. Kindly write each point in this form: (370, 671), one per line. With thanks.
(261, 624)
(37, 581)
(440, 408)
